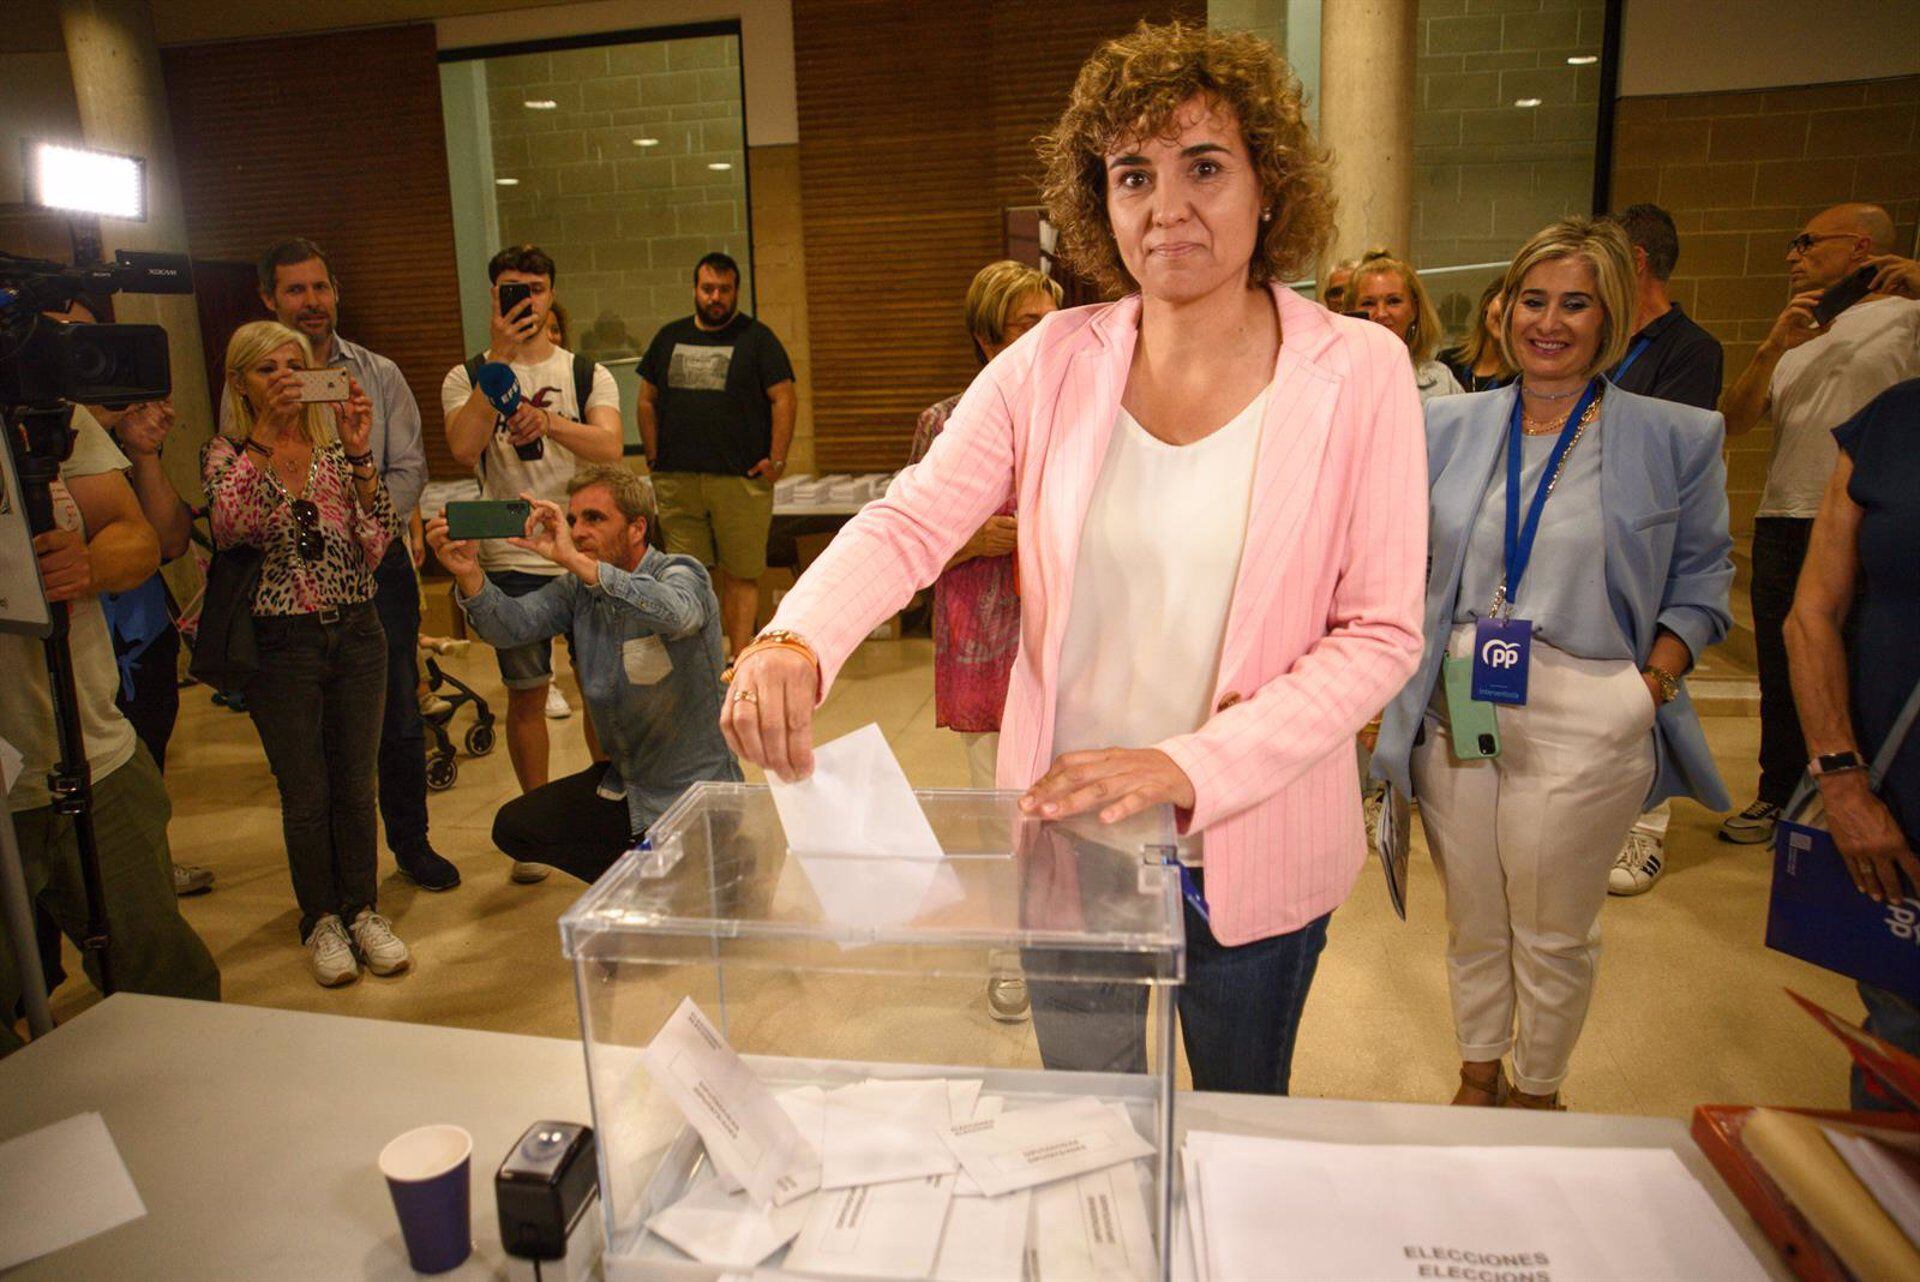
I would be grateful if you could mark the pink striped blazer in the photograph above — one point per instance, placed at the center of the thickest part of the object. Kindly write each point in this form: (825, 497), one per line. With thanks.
(1324, 627)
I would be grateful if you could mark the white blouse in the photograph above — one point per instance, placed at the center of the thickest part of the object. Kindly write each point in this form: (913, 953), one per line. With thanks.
(1159, 555)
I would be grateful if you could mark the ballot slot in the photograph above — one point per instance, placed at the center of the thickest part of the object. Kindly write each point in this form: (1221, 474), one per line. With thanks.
(813, 990)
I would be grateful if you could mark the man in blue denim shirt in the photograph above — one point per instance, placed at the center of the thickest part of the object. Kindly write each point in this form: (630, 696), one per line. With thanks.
(646, 627)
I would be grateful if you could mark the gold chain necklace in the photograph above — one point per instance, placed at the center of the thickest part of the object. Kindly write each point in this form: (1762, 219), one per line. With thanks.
(1544, 427)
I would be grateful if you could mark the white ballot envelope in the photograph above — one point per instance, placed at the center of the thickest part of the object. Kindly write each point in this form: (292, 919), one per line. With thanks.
(715, 1226)
(965, 1185)
(749, 1137)
(859, 835)
(1094, 1229)
(875, 1230)
(985, 1239)
(1039, 1145)
(807, 1106)
(1307, 1210)
(880, 1131)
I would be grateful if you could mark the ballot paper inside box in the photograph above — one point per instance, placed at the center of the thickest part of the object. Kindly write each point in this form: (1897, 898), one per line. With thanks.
(825, 972)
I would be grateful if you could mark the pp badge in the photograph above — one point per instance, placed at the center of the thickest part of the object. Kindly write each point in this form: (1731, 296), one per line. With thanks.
(1502, 651)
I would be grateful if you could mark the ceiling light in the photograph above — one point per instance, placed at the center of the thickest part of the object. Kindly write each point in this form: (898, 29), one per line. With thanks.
(719, 164)
(1526, 102)
(506, 182)
(540, 104)
(1583, 60)
(88, 182)
(646, 142)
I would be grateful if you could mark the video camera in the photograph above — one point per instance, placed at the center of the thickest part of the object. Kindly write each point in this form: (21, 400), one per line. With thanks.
(46, 363)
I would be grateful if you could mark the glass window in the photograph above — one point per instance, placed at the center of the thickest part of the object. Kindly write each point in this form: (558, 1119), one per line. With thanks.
(624, 158)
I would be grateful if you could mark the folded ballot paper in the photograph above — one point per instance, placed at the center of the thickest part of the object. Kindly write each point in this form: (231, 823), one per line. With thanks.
(899, 1177)
(858, 833)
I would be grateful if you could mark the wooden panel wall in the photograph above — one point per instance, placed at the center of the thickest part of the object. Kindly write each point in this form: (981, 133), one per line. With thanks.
(916, 130)
(338, 138)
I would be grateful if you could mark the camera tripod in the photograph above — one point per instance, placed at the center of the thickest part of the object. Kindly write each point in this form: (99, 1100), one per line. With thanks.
(40, 438)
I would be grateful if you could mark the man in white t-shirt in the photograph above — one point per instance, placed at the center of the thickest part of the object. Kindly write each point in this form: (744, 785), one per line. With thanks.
(1808, 379)
(101, 543)
(535, 453)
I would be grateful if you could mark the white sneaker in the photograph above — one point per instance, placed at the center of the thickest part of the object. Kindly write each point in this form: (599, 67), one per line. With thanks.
(557, 706)
(373, 937)
(526, 873)
(329, 955)
(1641, 861)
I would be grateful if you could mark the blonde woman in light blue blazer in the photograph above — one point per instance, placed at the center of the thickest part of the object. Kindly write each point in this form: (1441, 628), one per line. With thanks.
(1625, 587)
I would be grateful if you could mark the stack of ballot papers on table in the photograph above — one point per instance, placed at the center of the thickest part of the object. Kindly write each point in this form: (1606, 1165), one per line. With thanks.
(900, 1177)
(1296, 1209)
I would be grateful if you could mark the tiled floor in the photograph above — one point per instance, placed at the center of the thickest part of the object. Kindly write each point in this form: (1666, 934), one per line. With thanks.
(1689, 1006)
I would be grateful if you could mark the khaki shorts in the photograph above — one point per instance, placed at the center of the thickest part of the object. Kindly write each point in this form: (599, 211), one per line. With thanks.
(705, 512)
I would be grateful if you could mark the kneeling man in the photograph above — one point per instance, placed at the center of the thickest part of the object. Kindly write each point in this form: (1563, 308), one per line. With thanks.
(646, 628)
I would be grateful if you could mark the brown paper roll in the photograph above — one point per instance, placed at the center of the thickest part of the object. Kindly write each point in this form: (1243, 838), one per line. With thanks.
(1824, 1189)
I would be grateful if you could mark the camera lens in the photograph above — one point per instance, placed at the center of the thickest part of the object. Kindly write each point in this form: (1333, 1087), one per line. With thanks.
(1487, 745)
(91, 363)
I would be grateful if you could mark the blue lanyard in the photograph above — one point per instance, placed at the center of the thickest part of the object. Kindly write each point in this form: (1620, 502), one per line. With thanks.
(1520, 538)
(1190, 890)
(1620, 371)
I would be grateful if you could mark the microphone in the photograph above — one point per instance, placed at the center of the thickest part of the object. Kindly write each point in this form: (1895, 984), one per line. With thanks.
(502, 390)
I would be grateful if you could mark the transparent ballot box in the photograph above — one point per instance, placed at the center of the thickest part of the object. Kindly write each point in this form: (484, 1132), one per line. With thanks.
(829, 972)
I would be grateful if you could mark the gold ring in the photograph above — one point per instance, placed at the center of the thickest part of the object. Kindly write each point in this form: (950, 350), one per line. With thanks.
(744, 696)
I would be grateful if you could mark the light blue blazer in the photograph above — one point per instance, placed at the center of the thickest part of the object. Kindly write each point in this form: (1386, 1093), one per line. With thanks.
(1663, 499)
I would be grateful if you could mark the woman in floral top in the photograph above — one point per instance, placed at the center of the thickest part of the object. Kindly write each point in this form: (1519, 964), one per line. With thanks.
(297, 480)
(976, 599)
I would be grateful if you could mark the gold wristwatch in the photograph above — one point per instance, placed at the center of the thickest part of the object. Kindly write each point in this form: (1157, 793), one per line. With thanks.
(1669, 684)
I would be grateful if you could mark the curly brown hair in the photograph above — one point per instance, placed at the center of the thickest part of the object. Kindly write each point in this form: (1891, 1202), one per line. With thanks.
(1133, 87)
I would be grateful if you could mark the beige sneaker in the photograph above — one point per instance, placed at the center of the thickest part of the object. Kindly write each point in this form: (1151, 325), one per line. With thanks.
(527, 873)
(191, 879)
(374, 940)
(330, 955)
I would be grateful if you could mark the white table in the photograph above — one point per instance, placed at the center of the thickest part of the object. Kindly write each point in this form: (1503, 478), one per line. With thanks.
(251, 1134)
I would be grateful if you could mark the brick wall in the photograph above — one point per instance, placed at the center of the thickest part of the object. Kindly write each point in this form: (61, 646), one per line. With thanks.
(625, 223)
(1741, 172)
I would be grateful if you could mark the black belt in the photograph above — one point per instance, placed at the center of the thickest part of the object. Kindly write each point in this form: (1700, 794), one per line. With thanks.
(327, 615)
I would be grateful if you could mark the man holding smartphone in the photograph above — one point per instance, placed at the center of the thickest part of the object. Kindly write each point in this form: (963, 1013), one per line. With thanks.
(298, 285)
(1809, 376)
(566, 416)
(648, 632)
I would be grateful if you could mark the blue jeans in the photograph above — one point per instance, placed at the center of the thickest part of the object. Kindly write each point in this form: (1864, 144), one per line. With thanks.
(317, 702)
(1239, 1011)
(1891, 1018)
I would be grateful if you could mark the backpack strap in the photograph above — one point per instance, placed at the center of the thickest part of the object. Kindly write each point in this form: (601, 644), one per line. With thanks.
(474, 363)
(582, 384)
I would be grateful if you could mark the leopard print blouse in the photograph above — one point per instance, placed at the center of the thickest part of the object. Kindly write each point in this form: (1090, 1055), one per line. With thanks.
(250, 506)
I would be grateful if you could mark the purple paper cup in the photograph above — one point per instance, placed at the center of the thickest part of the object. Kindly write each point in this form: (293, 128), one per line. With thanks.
(429, 1173)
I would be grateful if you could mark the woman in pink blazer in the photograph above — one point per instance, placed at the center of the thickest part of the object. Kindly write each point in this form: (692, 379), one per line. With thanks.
(1222, 499)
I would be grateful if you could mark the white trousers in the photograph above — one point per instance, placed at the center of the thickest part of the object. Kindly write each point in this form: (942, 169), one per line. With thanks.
(1524, 843)
(983, 752)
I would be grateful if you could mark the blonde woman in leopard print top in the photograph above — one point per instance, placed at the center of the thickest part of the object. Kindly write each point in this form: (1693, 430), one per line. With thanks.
(297, 480)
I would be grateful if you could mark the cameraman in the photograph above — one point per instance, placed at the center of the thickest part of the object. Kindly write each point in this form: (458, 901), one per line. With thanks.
(648, 631)
(569, 415)
(100, 543)
(140, 621)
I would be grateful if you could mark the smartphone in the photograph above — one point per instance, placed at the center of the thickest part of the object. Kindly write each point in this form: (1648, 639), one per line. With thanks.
(322, 385)
(1471, 723)
(487, 519)
(512, 294)
(1844, 295)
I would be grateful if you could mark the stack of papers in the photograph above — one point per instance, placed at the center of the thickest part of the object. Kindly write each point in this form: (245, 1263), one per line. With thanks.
(916, 1177)
(1296, 1209)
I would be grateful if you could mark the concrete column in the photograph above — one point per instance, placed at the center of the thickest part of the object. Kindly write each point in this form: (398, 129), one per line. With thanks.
(1366, 120)
(123, 107)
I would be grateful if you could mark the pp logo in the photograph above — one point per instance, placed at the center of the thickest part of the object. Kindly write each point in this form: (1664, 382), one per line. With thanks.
(1497, 654)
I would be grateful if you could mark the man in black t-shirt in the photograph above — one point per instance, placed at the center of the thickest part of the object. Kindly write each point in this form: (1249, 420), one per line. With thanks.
(1671, 359)
(715, 411)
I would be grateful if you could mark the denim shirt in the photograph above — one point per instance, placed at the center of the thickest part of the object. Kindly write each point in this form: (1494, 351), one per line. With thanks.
(647, 648)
